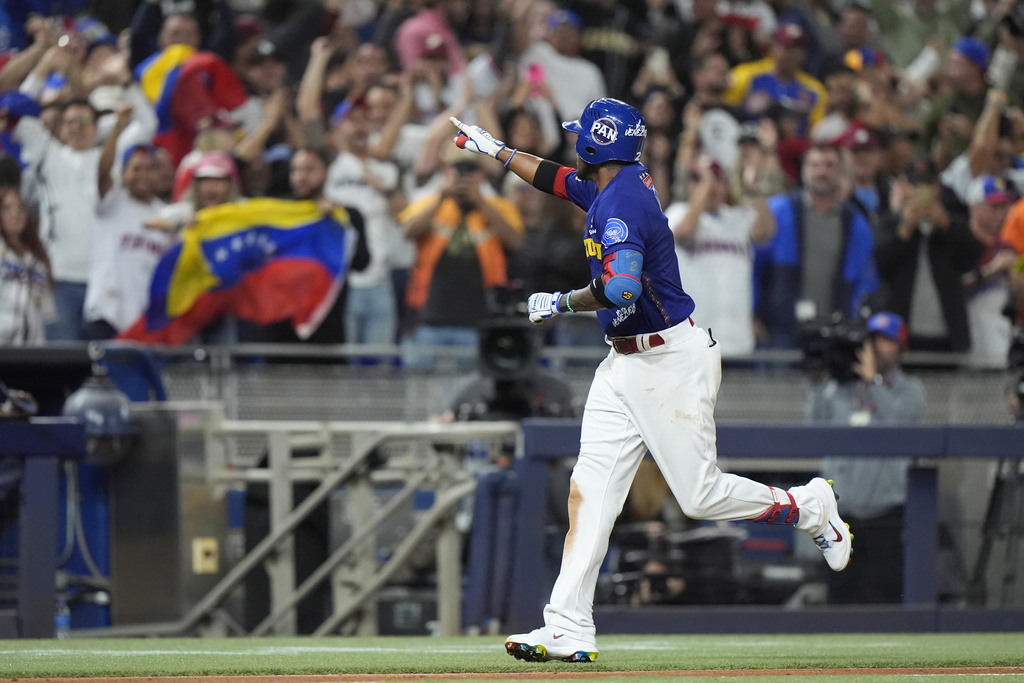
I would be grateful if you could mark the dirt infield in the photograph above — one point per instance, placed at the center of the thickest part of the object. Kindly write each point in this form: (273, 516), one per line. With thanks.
(532, 675)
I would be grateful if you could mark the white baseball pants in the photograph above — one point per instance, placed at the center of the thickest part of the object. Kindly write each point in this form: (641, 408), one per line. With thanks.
(661, 400)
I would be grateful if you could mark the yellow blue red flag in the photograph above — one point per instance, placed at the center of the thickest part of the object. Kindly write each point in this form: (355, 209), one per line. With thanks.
(264, 260)
(158, 76)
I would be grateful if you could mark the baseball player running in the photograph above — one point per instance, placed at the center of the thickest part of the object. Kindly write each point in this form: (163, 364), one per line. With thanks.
(654, 392)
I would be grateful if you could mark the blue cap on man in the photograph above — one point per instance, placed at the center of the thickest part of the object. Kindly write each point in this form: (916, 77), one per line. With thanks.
(890, 326)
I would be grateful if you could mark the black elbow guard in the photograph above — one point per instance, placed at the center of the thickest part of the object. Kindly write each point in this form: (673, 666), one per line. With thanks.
(544, 178)
(597, 289)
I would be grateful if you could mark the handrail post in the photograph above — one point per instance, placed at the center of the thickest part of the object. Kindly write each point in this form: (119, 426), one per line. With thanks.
(449, 577)
(281, 563)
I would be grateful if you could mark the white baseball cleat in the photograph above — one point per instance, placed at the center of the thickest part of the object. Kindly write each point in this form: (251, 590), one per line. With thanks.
(544, 644)
(834, 538)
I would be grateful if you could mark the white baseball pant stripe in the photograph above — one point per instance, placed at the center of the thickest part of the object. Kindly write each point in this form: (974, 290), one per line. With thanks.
(661, 400)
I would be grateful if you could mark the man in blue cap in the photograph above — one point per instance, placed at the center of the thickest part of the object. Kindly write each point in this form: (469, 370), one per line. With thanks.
(954, 113)
(874, 489)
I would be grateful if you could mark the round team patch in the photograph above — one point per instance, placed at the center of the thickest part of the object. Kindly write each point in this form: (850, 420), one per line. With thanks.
(604, 131)
(615, 231)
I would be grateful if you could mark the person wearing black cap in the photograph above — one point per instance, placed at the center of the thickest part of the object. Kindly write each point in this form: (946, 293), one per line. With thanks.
(862, 157)
(921, 252)
(874, 489)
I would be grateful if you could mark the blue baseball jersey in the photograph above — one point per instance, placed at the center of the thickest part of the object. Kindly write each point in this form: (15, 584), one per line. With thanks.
(627, 215)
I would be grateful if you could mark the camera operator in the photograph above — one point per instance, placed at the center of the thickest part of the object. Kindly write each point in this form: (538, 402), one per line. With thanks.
(874, 489)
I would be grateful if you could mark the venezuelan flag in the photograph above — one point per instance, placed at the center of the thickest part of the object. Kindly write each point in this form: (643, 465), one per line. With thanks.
(158, 75)
(263, 260)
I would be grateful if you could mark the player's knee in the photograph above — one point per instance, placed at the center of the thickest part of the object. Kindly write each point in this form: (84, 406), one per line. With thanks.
(699, 504)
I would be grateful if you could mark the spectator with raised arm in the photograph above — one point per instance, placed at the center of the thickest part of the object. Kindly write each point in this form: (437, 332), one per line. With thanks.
(994, 149)
(356, 179)
(17, 64)
(922, 251)
(949, 125)
(714, 246)
(64, 167)
(125, 252)
(556, 62)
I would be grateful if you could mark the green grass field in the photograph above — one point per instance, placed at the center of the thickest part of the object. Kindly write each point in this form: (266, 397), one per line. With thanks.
(485, 655)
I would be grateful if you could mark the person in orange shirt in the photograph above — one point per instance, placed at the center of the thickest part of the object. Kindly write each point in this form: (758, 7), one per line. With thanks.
(463, 234)
(1013, 227)
(1012, 234)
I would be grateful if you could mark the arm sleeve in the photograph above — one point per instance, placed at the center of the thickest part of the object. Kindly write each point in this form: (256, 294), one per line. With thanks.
(141, 129)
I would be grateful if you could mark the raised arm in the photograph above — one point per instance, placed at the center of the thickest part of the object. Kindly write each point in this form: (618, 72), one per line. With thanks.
(307, 101)
(108, 156)
(399, 117)
(19, 66)
(524, 165)
(985, 140)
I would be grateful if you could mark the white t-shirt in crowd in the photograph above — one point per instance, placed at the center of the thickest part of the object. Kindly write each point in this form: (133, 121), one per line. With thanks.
(124, 258)
(573, 81)
(26, 299)
(347, 186)
(958, 177)
(717, 272)
(66, 182)
(67, 194)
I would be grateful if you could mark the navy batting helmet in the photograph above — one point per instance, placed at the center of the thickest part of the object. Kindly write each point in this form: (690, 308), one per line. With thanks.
(609, 130)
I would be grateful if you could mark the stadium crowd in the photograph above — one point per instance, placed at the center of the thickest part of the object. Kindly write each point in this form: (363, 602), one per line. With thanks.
(811, 155)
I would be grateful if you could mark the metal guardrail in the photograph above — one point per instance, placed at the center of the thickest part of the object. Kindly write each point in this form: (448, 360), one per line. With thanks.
(444, 473)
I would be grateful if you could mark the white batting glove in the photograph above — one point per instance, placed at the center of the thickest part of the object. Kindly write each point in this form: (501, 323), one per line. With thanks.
(476, 139)
(543, 306)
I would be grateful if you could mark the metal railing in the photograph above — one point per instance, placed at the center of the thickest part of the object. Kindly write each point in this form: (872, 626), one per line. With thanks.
(432, 460)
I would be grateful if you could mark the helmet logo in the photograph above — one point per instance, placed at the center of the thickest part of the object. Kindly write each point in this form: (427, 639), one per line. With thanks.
(603, 131)
(638, 130)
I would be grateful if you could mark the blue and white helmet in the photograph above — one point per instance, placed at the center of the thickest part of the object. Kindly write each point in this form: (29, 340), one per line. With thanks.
(609, 130)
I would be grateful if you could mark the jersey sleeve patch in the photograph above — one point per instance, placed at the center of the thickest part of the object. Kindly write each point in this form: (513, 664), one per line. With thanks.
(615, 232)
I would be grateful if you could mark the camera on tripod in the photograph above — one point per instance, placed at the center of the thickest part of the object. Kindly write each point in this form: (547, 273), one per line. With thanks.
(831, 346)
(508, 341)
